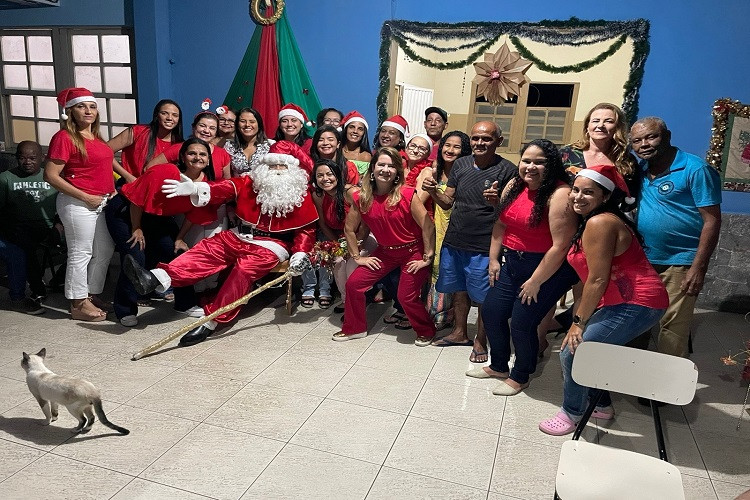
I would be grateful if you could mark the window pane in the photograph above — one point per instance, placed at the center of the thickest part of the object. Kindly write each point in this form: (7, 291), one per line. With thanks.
(117, 80)
(555, 120)
(46, 107)
(13, 48)
(104, 132)
(15, 77)
(506, 110)
(101, 105)
(85, 48)
(485, 109)
(23, 130)
(89, 77)
(535, 119)
(116, 48)
(555, 133)
(22, 105)
(117, 130)
(504, 124)
(534, 132)
(42, 77)
(46, 131)
(40, 48)
(123, 110)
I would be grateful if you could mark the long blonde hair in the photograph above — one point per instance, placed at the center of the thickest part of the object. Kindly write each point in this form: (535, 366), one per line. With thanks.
(368, 183)
(78, 141)
(619, 152)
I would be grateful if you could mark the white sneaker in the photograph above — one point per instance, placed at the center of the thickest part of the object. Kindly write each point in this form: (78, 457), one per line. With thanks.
(194, 312)
(129, 321)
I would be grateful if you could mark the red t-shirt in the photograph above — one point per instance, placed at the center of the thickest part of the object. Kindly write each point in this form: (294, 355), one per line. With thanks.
(219, 157)
(391, 226)
(134, 156)
(92, 175)
(330, 217)
(145, 192)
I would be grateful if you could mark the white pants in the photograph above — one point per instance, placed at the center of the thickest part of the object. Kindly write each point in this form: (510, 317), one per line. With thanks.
(90, 247)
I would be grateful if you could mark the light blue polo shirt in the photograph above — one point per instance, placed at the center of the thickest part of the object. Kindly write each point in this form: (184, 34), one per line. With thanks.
(668, 216)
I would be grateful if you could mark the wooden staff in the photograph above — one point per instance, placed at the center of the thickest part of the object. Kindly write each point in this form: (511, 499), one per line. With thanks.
(237, 303)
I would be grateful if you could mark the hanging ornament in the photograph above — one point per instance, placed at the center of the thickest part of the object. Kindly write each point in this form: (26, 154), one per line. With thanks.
(501, 75)
(258, 15)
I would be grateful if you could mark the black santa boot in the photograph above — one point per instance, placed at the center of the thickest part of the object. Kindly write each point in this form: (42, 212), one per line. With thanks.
(142, 279)
(196, 335)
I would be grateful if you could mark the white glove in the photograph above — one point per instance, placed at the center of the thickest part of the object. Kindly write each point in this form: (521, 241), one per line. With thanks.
(184, 187)
(298, 263)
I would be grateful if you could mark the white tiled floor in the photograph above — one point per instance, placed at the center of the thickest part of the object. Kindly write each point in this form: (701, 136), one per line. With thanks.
(272, 408)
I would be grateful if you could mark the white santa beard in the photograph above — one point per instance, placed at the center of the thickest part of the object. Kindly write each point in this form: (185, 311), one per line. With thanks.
(279, 191)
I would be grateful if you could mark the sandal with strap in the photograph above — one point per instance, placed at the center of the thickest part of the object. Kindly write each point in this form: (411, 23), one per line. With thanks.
(559, 425)
(325, 302)
(394, 318)
(307, 302)
(77, 313)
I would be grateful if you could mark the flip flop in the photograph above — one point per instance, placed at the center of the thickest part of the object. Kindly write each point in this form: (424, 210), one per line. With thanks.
(404, 324)
(475, 354)
(443, 342)
(394, 318)
(307, 302)
(325, 302)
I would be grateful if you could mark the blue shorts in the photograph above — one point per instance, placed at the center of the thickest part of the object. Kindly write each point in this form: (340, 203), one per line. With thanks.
(462, 271)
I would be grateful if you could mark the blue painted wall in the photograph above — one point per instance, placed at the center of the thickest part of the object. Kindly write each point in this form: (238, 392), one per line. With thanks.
(189, 50)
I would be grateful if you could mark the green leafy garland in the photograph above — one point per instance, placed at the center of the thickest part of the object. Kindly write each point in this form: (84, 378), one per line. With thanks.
(572, 32)
(570, 68)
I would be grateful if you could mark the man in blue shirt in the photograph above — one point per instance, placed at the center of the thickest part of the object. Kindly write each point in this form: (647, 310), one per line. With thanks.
(679, 216)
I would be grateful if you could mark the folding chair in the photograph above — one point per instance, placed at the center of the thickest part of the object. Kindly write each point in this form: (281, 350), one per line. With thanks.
(591, 471)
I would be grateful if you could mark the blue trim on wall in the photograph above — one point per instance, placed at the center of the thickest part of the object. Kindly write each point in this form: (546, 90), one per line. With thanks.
(70, 13)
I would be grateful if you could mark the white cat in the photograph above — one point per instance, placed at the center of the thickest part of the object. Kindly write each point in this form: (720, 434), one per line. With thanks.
(79, 396)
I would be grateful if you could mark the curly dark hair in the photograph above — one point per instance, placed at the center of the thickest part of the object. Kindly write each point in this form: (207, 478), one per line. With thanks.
(554, 172)
(208, 170)
(465, 149)
(338, 196)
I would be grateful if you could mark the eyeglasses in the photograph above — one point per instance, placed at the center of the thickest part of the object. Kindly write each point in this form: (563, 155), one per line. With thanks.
(419, 149)
(331, 121)
(225, 120)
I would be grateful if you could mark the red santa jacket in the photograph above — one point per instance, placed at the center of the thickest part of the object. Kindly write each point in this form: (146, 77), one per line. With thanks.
(302, 220)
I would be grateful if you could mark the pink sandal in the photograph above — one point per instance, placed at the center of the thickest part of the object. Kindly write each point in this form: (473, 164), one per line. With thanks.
(604, 413)
(559, 425)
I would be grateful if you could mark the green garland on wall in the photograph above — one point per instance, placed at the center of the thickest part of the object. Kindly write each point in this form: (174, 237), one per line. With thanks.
(570, 68)
(572, 32)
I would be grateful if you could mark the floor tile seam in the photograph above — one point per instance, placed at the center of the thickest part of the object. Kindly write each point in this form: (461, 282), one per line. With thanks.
(98, 466)
(161, 484)
(462, 426)
(494, 456)
(338, 454)
(502, 436)
(262, 471)
(439, 478)
(369, 407)
(244, 384)
(247, 433)
(369, 489)
(150, 386)
(43, 453)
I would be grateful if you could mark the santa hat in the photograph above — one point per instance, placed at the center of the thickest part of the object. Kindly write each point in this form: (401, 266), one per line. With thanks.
(608, 177)
(206, 104)
(292, 109)
(222, 109)
(425, 137)
(283, 153)
(352, 116)
(71, 96)
(398, 122)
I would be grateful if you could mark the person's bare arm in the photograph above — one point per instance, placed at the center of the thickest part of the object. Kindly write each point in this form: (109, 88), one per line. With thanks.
(136, 237)
(353, 221)
(693, 282)
(562, 224)
(52, 174)
(599, 243)
(157, 160)
(419, 212)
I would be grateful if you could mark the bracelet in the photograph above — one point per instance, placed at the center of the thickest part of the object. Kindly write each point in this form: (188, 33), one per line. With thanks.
(428, 258)
(356, 257)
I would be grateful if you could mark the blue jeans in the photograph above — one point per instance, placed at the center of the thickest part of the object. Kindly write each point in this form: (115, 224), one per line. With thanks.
(617, 325)
(502, 304)
(310, 279)
(15, 264)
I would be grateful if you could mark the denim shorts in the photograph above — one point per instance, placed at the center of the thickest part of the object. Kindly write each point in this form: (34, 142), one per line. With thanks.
(462, 271)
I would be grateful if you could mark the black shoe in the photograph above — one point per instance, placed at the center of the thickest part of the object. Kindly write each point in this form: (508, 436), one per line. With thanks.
(339, 309)
(143, 280)
(195, 336)
(27, 306)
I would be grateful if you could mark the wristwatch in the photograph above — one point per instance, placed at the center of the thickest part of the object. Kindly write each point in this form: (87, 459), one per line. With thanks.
(578, 321)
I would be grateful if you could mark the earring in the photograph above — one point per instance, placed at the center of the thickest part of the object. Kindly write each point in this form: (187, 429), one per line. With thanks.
(395, 179)
(372, 177)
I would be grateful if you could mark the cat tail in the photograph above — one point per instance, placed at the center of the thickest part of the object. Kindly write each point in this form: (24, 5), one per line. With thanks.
(103, 418)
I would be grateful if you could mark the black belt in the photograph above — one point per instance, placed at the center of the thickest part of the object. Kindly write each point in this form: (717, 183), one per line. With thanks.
(254, 231)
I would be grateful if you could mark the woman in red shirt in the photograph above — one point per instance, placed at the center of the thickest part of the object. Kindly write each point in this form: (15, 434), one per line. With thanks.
(141, 143)
(79, 166)
(622, 293)
(534, 229)
(406, 239)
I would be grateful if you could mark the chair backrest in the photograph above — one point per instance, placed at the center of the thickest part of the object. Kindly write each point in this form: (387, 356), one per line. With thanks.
(647, 374)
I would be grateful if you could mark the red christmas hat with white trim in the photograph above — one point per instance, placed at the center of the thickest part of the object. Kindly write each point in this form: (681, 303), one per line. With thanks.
(292, 109)
(71, 96)
(399, 123)
(608, 177)
(351, 117)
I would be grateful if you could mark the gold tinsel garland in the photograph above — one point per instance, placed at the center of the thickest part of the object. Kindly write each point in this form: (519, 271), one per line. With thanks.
(721, 111)
(258, 14)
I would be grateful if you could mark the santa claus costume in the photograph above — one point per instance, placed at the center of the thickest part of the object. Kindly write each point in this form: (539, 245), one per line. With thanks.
(277, 219)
